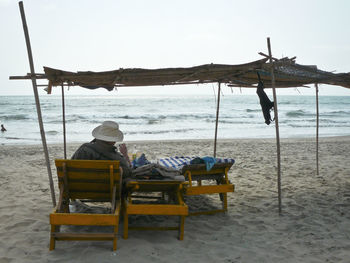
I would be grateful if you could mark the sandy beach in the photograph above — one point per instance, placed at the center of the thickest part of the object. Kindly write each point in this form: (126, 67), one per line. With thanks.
(314, 225)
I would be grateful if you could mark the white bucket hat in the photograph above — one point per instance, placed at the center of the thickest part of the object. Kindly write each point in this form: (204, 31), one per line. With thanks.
(108, 131)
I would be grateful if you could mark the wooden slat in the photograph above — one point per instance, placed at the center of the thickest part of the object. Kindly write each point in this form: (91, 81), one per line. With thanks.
(95, 200)
(154, 186)
(149, 209)
(84, 219)
(219, 167)
(86, 175)
(88, 164)
(89, 175)
(83, 236)
(113, 201)
(134, 196)
(209, 189)
(212, 171)
(60, 200)
(153, 228)
(197, 177)
(154, 182)
(90, 195)
(89, 187)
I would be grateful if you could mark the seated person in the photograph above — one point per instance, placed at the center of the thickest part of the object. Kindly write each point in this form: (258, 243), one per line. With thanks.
(102, 147)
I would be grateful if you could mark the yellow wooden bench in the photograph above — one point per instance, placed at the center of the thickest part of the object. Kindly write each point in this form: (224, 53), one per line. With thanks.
(135, 188)
(87, 180)
(198, 173)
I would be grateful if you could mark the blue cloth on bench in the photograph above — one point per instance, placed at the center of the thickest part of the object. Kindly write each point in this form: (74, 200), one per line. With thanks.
(177, 162)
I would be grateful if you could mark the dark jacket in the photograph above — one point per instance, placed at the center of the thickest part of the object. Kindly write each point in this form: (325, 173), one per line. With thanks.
(100, 150)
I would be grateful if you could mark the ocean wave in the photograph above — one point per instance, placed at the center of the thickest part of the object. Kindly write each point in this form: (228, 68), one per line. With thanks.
(162, 117)
(335, 113)
(16, 103)
(140, 117)
(284, 102)
(321, 125)
(184, 130)
(50, 107)
(252, 110)
(296, 113)
(70, 119)
(15, 117)
(13, 138)
(154, 121)
(52, 132)
(334, 121)
(22, 139)
(243, 120)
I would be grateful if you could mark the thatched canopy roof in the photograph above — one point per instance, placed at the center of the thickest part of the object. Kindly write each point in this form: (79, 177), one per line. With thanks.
(287, 74)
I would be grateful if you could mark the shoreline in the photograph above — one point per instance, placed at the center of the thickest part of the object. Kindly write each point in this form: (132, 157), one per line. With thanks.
(335, 137)
(314, 225)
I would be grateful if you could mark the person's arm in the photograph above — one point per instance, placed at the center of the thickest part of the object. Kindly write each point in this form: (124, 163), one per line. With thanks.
(124, 165)
(126, 168)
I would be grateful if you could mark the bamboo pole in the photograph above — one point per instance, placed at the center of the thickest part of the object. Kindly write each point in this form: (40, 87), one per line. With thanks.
(317, 128)
(64, 125)
(37, 102)
(217, 118)
(277, 129)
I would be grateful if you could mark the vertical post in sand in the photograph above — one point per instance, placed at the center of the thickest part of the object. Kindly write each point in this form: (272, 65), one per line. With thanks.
(64, 125)
(35, 89)
(317, 127)
(277, 128)
(217, 119)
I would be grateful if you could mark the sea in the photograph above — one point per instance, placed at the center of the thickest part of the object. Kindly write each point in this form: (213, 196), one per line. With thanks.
(161, 117)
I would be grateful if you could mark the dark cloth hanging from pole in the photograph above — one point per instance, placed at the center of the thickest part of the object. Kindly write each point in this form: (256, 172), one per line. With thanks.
(265, 102)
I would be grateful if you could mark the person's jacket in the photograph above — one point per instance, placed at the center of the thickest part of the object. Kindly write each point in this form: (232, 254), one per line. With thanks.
(100, 150)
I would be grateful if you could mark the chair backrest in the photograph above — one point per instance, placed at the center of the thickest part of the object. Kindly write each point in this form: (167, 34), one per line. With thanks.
(89, 179)
(199, 171)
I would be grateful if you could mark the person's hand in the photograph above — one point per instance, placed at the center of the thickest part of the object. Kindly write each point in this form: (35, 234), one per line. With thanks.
(124, 151)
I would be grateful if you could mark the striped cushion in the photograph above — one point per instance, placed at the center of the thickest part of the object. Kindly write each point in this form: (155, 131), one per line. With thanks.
(177, 162)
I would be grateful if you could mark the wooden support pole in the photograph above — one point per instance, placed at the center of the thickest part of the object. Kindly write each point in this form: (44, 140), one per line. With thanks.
(64, 125)
(277, 128)
(37, 102)
(317, 128)
(217, 119)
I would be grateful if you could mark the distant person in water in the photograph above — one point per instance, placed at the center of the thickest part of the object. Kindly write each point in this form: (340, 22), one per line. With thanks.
(102, 147)
(3, 128)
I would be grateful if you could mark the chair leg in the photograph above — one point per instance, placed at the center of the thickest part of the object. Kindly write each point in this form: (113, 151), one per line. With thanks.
(126, 225)
(52, 238)
(224, 202)
(218, 182)
(115, 238)
(181, 227)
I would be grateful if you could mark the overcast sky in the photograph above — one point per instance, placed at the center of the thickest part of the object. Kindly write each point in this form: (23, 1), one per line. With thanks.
(104, 35)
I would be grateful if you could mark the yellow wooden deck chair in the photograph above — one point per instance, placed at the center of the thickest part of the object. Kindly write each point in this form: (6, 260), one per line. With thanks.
(135, 189)
(197, 173)
(87, 180)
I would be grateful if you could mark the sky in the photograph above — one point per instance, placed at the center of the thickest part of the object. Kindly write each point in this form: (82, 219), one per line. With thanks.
(105, 35)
